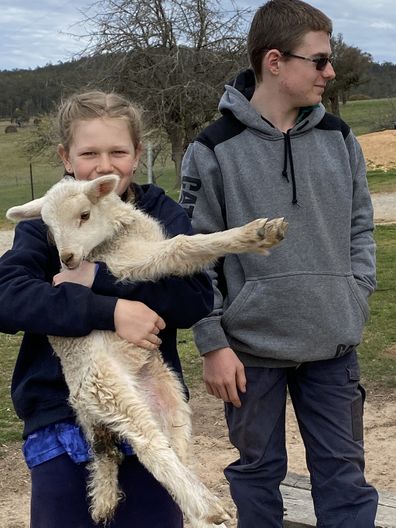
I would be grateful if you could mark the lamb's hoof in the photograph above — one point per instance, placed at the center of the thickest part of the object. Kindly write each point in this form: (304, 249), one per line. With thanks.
(273, 231)
(203, 524)
(200, 523)
(104, 513)
(101, 516)
(217, 515)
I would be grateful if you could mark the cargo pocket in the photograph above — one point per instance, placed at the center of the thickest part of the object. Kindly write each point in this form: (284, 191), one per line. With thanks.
(357, 405)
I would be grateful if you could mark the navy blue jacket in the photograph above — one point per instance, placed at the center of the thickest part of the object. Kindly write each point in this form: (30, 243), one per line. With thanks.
(29, 303)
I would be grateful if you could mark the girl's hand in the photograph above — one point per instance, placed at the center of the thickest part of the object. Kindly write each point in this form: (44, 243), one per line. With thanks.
(84, 275)
(138, 324)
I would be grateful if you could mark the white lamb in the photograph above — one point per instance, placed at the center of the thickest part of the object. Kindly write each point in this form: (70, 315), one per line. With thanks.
(117, 390)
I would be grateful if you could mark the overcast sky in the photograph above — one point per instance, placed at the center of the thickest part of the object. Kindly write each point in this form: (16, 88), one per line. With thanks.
(36, 32)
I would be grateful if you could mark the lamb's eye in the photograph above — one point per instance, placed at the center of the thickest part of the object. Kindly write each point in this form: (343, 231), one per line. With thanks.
(84, 216)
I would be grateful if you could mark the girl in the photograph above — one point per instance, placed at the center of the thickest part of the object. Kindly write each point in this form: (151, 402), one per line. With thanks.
(100, 134)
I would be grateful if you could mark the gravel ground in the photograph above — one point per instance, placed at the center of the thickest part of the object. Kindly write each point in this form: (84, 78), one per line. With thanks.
(6, 237)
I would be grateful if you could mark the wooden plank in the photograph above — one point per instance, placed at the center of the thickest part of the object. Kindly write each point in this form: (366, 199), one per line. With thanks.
(299, 511)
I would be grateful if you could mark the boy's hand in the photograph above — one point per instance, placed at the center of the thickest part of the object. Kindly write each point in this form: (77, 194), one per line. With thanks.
(224, 375)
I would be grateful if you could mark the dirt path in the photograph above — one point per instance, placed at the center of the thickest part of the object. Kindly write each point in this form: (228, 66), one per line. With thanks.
(211, 451)
(384, 207)
(379, 149)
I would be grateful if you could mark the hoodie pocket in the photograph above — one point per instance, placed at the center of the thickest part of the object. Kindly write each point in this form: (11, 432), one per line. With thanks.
(357, 293)
(298, 317)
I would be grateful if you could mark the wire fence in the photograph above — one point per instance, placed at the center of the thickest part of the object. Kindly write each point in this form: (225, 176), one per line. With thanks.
(32, 180)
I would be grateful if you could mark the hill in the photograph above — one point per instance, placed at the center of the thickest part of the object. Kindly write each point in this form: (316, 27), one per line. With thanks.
(29, 93)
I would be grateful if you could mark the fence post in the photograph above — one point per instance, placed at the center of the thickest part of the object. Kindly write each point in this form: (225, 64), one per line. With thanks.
(31, 180)
(149, 162)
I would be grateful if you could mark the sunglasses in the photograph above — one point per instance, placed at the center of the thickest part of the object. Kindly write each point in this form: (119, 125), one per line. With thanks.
(320, 62)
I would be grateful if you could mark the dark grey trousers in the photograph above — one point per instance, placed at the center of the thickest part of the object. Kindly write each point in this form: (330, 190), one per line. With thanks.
(328, 402)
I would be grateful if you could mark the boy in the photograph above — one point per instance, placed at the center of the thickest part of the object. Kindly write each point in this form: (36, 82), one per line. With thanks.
(292, 320)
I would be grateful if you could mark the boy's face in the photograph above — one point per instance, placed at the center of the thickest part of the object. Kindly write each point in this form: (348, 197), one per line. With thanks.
(300, 83)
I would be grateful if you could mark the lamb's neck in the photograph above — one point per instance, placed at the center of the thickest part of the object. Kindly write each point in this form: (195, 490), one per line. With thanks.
(120, 216)
(111, 245)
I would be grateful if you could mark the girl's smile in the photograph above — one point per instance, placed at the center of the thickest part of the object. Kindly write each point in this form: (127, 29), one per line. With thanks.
(101, 146)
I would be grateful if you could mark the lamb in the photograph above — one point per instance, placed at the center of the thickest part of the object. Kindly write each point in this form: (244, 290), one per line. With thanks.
(118, 390)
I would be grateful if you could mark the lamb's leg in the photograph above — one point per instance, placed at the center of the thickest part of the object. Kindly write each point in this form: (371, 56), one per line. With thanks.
(102, 483)
(103, 489)
(185, 255)
(162, 390)
(113, 400)
(167, 401)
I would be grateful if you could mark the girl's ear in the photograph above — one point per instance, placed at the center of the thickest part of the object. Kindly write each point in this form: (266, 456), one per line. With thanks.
(138, 153)
(101, 187)
(28, 211)
(64, 155)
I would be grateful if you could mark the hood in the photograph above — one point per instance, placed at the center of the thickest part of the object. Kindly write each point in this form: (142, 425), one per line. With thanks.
(236, 100)
(147, 196)
(237, 95)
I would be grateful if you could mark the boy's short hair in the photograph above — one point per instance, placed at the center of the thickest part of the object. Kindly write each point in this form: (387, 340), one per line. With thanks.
(282, 24)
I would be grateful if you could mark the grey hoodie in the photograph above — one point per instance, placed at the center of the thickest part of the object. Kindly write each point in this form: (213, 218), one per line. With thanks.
(307, 300)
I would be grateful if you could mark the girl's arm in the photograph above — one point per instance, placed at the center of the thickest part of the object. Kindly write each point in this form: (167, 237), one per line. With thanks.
(181, 302)
(29, 302)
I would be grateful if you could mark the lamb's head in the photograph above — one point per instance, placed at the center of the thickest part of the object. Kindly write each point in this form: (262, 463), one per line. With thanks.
(76, 213)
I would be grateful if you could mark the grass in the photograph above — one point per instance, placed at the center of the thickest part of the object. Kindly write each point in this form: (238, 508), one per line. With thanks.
(378, 349)
(10, 426)
(15, 181)
(369, 116)
(380, 181)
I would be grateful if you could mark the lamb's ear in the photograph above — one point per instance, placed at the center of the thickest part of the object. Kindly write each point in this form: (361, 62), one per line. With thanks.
(102, 186)
(27, 211)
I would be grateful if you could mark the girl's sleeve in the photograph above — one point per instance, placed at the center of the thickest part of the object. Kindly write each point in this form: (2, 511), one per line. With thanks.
(181, 302)
(29, 302)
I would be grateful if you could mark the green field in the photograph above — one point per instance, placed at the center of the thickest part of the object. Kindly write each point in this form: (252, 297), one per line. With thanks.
(380, 181)
(15, 179)
(369, 116)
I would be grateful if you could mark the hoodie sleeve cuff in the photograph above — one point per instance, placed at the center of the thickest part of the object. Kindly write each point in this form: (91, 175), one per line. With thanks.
(209, 335)
(104, 281)
(102, 312)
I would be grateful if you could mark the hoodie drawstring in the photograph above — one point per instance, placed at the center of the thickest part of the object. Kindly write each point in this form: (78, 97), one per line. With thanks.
(288, 155)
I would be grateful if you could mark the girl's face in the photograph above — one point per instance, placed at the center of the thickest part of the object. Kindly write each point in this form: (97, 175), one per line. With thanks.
(101, 146)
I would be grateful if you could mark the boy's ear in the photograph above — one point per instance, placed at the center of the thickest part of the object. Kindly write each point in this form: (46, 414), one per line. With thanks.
(28, 211)
(101, 187)
(271, 61)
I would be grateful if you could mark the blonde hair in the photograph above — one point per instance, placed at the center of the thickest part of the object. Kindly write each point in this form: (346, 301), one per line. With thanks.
(282, 25)
(97, 104)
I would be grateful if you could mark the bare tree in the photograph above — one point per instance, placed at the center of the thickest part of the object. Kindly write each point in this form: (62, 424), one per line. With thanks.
(173, 57)
(351, 65)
